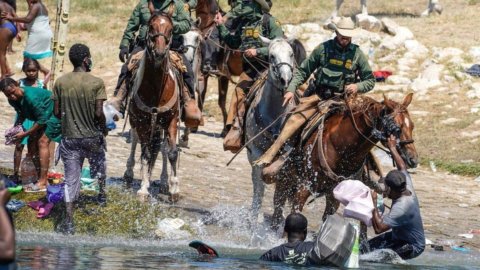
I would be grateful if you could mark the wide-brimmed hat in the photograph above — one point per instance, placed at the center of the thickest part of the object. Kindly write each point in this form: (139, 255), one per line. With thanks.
(346, 27)
(264, 5)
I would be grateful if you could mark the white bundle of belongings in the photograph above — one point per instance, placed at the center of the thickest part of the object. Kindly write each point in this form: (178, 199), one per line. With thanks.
(357, 199)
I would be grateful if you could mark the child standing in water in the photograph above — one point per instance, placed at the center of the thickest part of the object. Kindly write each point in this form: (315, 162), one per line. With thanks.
(31, 68)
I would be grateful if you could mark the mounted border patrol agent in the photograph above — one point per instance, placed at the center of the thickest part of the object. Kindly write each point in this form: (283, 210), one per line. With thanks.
(246, 37)
(130, 47)
(339, 68)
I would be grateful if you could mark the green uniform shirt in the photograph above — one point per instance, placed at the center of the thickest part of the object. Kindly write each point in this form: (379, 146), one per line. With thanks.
(77, 93)
(141, 14)
(318, 59)
(246, 36)
(37, 106)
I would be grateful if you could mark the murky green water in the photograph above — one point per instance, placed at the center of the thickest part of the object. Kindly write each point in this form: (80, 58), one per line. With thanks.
(54, 251)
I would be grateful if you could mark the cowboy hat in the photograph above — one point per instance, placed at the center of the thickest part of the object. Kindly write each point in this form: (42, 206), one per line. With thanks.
(345, 27)
(264, 5)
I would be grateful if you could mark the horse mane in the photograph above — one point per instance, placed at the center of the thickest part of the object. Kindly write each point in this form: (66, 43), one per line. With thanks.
(299, 51)
(363, 104)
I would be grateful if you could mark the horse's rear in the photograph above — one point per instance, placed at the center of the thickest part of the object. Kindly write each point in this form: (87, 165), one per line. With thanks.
(154, 108)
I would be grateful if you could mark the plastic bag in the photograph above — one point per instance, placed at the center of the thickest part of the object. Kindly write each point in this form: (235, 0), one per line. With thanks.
(28, 172)
(110, 112)
(334, 242)
(55, 193)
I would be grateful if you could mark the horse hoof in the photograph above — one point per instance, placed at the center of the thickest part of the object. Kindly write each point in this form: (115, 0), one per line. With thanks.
(174, 198)
(182, 143)
(194, 130)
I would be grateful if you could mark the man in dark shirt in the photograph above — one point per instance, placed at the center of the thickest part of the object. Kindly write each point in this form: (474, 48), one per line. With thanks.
(406, 237)
(297, 250)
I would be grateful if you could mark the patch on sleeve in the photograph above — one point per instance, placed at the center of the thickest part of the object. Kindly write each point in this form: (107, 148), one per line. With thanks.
(277, 23)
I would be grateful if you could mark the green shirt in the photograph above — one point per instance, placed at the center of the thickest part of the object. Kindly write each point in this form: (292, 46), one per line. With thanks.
(141, 15)
(77, 93)
(37, 106)
(317, 60)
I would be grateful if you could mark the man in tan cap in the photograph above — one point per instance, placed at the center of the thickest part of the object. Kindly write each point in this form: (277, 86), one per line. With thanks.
(340, 68)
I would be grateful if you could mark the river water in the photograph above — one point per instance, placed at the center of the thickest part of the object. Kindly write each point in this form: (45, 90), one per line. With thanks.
(54, 251)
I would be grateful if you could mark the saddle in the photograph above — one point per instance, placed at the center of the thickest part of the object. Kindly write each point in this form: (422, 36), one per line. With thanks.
(325, 108)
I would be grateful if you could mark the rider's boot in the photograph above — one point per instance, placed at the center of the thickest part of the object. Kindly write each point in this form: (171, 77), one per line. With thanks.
(118, 100)
(233, 140)
(193, 115)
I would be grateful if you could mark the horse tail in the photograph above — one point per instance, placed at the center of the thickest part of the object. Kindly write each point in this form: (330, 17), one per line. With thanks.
(298, 51)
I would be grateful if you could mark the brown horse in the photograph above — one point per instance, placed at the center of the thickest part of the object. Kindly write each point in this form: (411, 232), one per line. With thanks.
(231, 60)
(154, 107)
(338, 151)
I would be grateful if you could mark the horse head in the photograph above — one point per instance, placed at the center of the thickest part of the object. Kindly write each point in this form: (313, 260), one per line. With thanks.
(281, 60)
(191, 41)
(159, 38)
(398, 122)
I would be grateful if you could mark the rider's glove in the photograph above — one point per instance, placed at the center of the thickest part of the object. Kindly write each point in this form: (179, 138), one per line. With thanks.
(123, 55)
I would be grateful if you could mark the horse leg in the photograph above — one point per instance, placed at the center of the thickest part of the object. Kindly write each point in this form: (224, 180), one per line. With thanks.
(337, 8)
(364, 7)
(173, 182)
(222, 101)
(301, 197)
(258, 192)
(149, 156)
(279, 200)
(128, 175)
(331, 205)
(183, 141)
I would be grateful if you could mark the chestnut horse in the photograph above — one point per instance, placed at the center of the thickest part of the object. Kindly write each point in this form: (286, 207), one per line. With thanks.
(338, 151)
(154, 108)
(231, 61)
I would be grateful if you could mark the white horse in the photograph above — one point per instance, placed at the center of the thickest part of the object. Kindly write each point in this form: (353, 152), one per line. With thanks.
(433, 6)
(264, 109)
(192, 41)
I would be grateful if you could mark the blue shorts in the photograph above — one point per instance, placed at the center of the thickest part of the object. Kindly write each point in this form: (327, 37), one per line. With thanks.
(10, 26)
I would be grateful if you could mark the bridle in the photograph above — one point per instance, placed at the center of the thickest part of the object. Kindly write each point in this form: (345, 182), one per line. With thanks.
(150, 39)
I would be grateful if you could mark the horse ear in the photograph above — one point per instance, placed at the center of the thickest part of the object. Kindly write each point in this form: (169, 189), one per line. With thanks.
(407, 100)
(389, 103)
(265, 40)
(197, 22)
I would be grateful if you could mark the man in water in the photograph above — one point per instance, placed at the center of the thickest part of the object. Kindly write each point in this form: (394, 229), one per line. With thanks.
(406, 236)
(296, 250)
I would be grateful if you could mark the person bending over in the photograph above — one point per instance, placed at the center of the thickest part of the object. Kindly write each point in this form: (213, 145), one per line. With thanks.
(400, 230)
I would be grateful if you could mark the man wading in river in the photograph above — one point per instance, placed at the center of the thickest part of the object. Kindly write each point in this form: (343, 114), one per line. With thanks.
(79, 99)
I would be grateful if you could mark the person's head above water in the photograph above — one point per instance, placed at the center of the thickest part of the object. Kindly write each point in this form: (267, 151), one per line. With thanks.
(296, 227)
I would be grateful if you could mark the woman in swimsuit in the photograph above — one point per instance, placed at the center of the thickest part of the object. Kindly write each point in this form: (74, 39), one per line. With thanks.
(8, 30)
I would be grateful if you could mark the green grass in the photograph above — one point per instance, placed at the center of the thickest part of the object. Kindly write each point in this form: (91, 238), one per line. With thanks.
(124, 216)
(466, 169)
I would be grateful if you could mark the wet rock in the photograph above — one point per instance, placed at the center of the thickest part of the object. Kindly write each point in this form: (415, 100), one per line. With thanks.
(369, 23)
(389, 26)
(396, 79)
